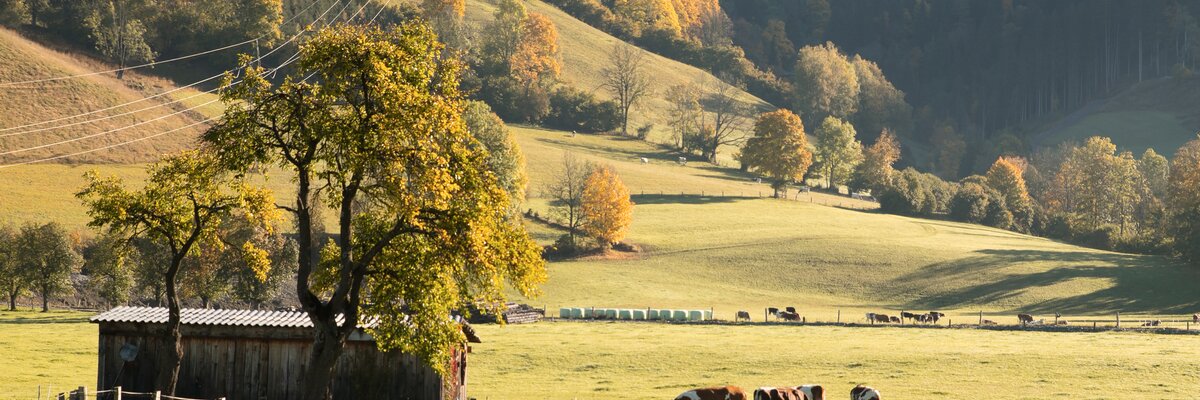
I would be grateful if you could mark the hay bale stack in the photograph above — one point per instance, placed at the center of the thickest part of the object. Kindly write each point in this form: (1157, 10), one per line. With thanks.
(639, 315)
(564, 312)
(695, 315)
(625, 314)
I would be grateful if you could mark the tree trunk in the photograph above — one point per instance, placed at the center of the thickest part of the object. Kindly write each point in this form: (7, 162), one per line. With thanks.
(12, 301)
(45, 299)
(168, 373)
(327, 348)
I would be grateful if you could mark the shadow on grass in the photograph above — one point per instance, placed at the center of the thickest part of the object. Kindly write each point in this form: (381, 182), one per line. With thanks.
(1138, 283)
(26, 317)
(649, 199)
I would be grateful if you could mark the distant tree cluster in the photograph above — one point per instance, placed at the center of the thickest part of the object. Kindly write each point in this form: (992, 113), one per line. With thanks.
(590, 201)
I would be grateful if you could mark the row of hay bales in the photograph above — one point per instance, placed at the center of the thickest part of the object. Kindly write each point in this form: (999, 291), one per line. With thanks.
(649, 314)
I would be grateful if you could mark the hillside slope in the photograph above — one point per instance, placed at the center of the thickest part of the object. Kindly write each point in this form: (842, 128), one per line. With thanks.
(585, 52)
(1159, 114)
(22, 60)
(746, 253)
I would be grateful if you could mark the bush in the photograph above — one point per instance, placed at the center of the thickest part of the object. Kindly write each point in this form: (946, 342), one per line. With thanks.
(997, 215)
(969, 204)
(644, 131)
(513, 101)
(1104, 238)
(575, 110)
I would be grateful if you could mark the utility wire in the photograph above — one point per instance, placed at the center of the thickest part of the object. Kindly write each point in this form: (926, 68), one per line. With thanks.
(152, 63)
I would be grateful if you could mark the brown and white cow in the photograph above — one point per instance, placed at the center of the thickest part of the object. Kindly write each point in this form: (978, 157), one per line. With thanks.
(884, 318)
(1025, 318)
(778, 393)
(742, 315)
(895, 320)
(812, 392)
(1196, 318)
(789, 316)
(862, 392)
(934, 316)
(714, 393)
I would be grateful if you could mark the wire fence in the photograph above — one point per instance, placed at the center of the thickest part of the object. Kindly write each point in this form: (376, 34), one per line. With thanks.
(806, 196)
(116, 393)
(893, 318)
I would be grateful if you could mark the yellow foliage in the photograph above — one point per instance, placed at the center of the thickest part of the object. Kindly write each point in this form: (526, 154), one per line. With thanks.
(536, 58)
(779, 148)
(606, 207)
(1005, 176)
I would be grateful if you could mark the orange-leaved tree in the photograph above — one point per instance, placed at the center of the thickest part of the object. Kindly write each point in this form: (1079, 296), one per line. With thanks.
(536, 58)
(606, 207)
(779, 148)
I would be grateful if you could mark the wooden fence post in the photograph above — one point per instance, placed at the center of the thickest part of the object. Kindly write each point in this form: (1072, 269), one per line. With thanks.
(839, 318)
(157, 395)
(1118, 320)
(981, 317)
(117, 390)
(81, 393)
(764, 315)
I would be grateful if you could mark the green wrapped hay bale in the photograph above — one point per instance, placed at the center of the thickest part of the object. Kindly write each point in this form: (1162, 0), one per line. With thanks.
(625, 314)
(679, 315)
(610, 313)
(639, 315)
(564, 312)
(664, 315)
(587, 312)
(652, 315)
(576, 313)
(695, 315)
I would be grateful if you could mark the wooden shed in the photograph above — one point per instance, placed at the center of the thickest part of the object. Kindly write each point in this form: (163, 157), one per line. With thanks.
(252, 355)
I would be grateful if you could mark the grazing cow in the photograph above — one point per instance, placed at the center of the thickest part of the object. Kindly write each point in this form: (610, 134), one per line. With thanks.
(742, 315)
(812, 392)
(714, 393)
(908, 315)
(778, 393)
(1152, 323)
(934, 316)
(773, 311)
(1062, 322)
(922, 318)
(1025, 318)
(861, 392)
(870, 317)
(789, 316)
(989, 322)
(645, 160)
(884, 318)
(895, 320)
(1196, 318)
(791, 309)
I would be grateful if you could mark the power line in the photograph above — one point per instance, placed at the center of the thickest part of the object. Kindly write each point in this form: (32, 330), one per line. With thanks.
(128, 142)
(163, 94)
(153, 63)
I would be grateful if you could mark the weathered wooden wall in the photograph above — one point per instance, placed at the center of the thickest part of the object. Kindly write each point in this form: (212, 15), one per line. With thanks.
(242, 363)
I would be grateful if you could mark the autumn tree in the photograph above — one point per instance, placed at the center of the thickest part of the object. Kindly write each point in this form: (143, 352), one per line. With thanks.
(837, 151)
(565, 192)
(649, 17)
(685, 112)
(949, 150)
(14, 279)
(826, 83)
(880, 104)
(1096, 184)
(118, 36)
(45, 252)
(1184, 201)
(109, 264)
(723, 121)
(1006, 177)
(446, 18)
(535, 61)
(182, 203)
(1156, 170)
(504, 157)
(422, 227)
(778, 149)
(626, 79)
(876, 169)
(606, 207)
(502, 36)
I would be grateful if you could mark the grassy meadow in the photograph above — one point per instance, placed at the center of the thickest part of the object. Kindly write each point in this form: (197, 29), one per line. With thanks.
(573, 360)
(55, 350)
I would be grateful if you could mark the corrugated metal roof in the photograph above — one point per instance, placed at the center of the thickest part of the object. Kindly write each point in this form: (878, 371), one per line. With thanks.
(200, 316)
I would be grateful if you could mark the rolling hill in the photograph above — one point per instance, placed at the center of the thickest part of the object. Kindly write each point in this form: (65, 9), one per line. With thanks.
(104, 95)
(1158, 114)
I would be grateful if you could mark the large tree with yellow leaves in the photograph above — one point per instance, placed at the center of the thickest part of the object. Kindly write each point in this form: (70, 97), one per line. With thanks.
(607, 208)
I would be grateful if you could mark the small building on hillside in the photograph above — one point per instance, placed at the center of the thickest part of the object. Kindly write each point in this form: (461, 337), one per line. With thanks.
(252, 355)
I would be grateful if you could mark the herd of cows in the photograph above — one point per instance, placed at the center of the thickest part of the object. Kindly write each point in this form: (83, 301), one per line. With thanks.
(805, 392)
(932, 317)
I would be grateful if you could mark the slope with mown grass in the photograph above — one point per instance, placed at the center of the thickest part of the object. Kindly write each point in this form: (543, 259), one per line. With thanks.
(746, 253)
(1159, 114)
(25, 104)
